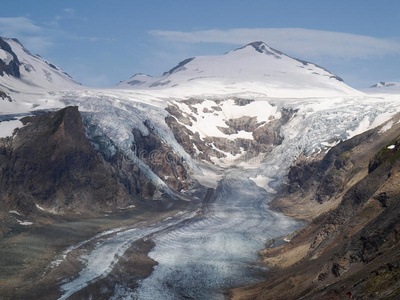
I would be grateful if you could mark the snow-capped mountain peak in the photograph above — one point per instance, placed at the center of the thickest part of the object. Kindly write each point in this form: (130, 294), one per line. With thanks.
(24, 76)
(385, 87)
(22, 71)
(263, 48)
(255, 67)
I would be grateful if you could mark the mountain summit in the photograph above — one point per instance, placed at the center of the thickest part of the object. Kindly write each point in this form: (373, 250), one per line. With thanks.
(22, 71)
(254, 67)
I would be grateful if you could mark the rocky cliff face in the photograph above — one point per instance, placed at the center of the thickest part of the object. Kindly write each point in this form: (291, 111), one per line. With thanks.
(161, 159)
(49, 166)
(352, 246)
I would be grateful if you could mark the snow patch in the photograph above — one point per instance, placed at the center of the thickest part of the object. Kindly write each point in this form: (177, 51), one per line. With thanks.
(25, 223)
(14, 212)
(210, 175)
(362, 127)
(262, 182)
(52, 211)
(5, 56)
(386, 127)
(7, 127)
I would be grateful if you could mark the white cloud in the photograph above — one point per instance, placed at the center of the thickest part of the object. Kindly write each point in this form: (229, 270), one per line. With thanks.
(14, 26)
(295, 41)
(69, 11)
(39, 39)
(37, 44)
(34, 37)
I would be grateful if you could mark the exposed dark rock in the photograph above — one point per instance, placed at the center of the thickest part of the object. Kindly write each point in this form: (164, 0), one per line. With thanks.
(179, 66)
(242, 102)
(248, 124)
(50, 163)
(190, 141)
(12, 68)
(178, 114)
(135, 82)
(161, 159)
(4, 96)
(269, 134)
(326, 176)
(385, 155)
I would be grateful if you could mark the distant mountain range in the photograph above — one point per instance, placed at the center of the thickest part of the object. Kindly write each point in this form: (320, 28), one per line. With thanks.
(387, 86)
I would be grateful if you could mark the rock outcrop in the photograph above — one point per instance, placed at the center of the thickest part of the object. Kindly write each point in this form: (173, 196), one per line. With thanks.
(4, 96)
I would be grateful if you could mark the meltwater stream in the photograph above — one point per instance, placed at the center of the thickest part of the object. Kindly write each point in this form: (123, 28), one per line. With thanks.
(201, 258)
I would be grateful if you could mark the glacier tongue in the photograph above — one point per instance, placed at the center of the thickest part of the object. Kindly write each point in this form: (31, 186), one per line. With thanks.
(217, 251)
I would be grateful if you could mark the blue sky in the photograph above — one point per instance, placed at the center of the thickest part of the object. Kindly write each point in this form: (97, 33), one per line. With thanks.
(102, 42)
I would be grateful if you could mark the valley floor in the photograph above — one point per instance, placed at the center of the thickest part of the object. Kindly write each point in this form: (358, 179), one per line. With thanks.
(27, 272)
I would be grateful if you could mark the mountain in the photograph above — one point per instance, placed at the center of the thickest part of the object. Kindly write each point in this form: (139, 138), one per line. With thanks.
(22, 71)
(66, 175)
(256, 67)
(27, 79)
(386, 87)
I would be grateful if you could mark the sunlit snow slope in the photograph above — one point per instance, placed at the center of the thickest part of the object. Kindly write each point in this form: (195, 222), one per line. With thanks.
(34, 71)
(24, 75)
(255, 67)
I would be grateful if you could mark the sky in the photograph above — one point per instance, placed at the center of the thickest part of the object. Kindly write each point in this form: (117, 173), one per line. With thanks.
(102, 42)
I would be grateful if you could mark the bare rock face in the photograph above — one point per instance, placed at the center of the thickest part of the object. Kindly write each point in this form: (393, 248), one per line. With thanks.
(12, 68)
(4, 96)
(50, 165)
(161, 159)
(326, 177)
